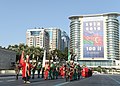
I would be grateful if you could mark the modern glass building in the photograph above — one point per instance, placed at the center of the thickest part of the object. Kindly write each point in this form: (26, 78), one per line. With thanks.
(94, 38)
(64, 40)
(55, 38)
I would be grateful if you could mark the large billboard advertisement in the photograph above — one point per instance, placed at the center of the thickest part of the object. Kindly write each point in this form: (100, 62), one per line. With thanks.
(93, 46)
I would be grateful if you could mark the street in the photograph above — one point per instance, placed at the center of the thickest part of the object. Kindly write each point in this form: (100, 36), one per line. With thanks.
(95, 80)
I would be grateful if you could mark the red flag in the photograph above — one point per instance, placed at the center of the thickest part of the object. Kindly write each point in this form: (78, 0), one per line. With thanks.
(22, 58)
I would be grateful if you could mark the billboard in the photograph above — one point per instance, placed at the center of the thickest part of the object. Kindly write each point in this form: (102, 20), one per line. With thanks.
(93, 46)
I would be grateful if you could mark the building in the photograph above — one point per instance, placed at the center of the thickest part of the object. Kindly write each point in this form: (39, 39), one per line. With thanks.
(38, 38)
(55, 38)
(94, 38)
(7, 59)
(64, 40)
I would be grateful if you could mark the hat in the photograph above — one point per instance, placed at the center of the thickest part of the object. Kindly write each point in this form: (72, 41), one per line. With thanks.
(27, 57)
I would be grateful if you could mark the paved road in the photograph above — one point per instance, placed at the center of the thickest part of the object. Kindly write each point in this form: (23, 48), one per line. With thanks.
(95, 80)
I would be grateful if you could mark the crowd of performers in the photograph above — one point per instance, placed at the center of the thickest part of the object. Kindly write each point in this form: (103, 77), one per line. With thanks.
(69, 71)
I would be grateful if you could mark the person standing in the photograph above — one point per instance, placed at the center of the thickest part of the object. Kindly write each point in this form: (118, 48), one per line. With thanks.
(39, 67)
(33, 71)
(43, 72)
(79, 71)
(52, 70)
(56, 71)
(75, 75)
(46, 70)
(17, 69)
(26, 67)
(62, 71)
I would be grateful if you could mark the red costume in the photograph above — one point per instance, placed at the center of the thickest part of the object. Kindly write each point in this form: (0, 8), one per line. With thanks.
(71, 74)
(85, 72)
(46, 71)
(62, 71)
(26, 67)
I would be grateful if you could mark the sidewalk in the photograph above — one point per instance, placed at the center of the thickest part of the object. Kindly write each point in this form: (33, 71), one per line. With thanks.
(5, 73)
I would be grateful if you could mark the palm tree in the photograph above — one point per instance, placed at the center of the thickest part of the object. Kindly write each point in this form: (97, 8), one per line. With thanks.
(38, 53)
(35, 53)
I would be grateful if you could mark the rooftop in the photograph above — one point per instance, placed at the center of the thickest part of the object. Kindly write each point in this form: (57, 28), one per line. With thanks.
(94, 15)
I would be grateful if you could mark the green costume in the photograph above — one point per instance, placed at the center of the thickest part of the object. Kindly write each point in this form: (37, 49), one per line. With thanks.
(39, 67)
(52, 72)
(75, 73)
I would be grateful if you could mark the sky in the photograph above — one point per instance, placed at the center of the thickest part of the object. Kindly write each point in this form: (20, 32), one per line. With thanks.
(16, 16)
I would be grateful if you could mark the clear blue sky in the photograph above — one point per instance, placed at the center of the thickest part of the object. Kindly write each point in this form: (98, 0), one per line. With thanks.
(16, 16)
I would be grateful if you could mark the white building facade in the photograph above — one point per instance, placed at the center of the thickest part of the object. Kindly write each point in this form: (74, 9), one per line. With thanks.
(94, 39)
(38, 38)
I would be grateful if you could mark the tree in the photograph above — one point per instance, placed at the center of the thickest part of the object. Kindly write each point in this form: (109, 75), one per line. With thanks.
(36, 51)
(61, 55)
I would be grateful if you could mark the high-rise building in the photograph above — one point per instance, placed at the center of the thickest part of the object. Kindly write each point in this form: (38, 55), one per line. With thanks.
(38, 38)
(64, 40)
(55, 38)
(94, 38)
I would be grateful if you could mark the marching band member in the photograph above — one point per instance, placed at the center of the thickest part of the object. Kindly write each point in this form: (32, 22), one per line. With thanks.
(26, 67)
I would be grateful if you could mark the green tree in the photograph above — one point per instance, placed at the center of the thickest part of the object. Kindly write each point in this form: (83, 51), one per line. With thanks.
(36, 51)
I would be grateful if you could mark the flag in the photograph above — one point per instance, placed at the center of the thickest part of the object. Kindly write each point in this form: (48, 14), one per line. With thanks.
(69, 56)
(22, 58)
(44, 58)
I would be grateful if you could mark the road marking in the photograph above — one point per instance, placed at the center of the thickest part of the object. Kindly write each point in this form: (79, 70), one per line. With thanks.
(115, 80)
(61, 84)
(10, 80)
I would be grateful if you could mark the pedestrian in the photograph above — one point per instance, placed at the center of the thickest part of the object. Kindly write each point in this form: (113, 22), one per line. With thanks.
(71, 71)
(57, 71)
(71, 74)
(46, 70)
(79, 71)
(26, 67)
(43, 72)
(75, 72)
(17, 69)
(67, 71)
(62, 71)
(33, 71)
(52, 70)
(39, 67)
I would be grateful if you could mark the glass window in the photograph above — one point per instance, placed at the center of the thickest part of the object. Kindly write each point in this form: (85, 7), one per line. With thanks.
(35, 33)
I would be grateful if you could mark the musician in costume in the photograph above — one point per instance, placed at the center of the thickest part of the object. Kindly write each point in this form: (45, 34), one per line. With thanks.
(46, 70)
(62, 71)
(26, 68)
(39, 67)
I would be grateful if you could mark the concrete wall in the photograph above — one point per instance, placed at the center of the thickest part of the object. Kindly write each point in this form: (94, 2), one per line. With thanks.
(7, 59)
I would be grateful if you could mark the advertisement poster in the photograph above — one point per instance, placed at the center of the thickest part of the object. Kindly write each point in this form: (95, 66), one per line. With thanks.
(93, 46)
